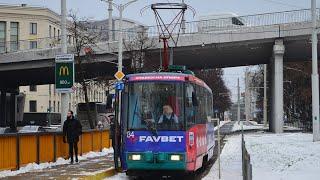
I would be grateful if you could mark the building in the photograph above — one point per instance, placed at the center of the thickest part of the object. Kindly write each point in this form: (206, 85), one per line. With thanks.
(44, 98)
(130, 27)
(23, 27)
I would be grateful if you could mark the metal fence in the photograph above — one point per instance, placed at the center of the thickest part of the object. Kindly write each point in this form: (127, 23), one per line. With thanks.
(20, 149)
(246, 162)
(238, 22)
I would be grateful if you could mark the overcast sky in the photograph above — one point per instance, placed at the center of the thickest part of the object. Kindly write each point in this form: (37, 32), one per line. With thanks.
(98, 10)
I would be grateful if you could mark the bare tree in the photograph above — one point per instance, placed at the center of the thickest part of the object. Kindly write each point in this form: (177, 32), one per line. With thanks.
(221, 93)
(84, 40)
(137, 48)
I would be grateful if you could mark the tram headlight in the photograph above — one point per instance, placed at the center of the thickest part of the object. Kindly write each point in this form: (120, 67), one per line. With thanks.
(136, 157)
(175, 157)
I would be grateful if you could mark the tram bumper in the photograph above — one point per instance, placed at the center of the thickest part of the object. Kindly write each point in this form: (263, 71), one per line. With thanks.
(155, 161)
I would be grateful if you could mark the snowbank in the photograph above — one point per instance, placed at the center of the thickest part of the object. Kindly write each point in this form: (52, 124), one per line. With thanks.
(284, 156)
(119, 176)
(247, 126)
(60, 161)
(221, 124)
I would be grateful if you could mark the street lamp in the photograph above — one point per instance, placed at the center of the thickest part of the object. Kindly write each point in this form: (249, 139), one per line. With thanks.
(121, 8)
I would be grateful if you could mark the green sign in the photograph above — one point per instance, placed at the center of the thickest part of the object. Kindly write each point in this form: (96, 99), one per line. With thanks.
(64, 73)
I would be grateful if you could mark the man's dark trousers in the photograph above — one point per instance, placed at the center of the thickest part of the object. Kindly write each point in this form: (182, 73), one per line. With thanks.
(73, 147)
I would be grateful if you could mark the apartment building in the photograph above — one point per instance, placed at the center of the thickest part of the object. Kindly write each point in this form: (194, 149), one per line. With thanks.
(23, 28)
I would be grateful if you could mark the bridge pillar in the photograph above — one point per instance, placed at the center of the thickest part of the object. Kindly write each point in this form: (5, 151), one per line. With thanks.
(3, 103)
(13, 111)
(277, 87)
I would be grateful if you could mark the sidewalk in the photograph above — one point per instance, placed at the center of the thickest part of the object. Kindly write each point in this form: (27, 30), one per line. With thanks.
(91, 168)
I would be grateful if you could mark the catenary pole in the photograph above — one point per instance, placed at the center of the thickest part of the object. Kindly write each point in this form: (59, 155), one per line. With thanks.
(238, 116)
(110, 27)
(64, 50)
(315, 76)
(265, 95)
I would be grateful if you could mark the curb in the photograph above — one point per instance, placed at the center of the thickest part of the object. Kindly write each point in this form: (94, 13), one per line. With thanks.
(101, 175)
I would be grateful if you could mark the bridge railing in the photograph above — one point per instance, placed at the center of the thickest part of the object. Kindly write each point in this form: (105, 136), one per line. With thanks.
(22, 148)
(238, 22)
(221, 25)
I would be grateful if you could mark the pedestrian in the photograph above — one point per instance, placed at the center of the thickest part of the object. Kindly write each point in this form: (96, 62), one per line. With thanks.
(72, 129)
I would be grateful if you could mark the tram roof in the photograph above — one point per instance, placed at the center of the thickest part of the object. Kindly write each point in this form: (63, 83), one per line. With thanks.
(166, 76)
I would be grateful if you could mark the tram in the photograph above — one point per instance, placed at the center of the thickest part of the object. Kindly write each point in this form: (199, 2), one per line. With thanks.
(165, 123)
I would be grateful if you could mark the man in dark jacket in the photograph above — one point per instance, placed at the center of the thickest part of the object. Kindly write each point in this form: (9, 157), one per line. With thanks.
(72, 129)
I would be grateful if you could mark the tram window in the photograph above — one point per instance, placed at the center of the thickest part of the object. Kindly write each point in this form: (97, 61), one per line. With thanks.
(146, 105)
(190, 107)
(201, 116)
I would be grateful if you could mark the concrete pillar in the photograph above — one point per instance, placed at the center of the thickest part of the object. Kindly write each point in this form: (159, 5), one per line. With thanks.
(277, 87)
(13, 111)
(3, 108)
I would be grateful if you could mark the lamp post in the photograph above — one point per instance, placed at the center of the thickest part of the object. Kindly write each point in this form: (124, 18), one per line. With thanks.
(121, 8)
(64, 50)
(315, 77)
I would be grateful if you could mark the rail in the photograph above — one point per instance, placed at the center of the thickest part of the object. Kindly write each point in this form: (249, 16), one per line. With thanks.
(19, 149)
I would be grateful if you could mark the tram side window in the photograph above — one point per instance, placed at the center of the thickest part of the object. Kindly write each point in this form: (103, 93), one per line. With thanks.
(201, 116)
(191, 104)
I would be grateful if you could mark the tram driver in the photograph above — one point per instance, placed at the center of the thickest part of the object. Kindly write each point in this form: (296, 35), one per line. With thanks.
(168, 120)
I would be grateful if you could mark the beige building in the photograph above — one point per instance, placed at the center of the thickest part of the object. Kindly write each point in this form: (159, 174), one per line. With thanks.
(43, 98)
(23, 28)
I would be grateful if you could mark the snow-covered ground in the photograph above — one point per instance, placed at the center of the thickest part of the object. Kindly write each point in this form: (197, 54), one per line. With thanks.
(284, 156)
(230, 161)
(221, 124)
(60, 161)
(288, 156)
(119, 176)
(253, 125)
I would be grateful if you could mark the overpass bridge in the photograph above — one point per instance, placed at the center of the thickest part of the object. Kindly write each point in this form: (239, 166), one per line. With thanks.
(270, 38)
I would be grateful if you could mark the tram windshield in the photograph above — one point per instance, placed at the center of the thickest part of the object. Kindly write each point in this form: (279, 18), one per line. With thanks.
(156, 106)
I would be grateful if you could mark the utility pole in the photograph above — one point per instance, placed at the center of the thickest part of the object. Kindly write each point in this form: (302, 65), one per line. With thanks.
(121, 8)
(183, 22)
(265, 95)
(247, 97)
(110, 27)
(64, 50)
(238, 102)
(315, 77)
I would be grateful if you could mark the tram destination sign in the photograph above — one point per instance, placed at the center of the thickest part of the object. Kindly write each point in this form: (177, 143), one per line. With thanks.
(64, 73)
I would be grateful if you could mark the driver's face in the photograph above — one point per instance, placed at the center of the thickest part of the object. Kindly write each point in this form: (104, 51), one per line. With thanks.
(166, 110)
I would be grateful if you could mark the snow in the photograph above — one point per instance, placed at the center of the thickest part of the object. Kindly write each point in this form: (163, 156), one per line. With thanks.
(119, 176)
(230, 161)
(220, 125)
(253, 126)
(287, 156)
(284, 156)
(60, 161)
